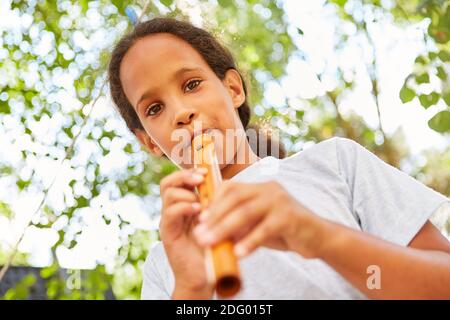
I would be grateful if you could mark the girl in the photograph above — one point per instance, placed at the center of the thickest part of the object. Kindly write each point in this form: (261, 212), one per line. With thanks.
(330, 222)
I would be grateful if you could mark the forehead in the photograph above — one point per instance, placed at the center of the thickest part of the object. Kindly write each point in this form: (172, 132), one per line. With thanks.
(158, 52)
(156, 57)
(163, 44)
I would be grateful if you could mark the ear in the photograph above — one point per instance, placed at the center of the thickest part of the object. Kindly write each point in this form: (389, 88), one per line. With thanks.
(233, 83)
(147, 143)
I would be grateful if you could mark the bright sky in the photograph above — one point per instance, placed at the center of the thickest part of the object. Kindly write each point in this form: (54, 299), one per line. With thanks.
(396, 51)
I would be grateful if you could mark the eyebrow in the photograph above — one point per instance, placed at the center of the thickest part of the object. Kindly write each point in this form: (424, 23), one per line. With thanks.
(177, 74)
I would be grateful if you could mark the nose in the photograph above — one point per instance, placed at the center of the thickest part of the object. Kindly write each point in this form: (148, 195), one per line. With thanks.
(184, 116)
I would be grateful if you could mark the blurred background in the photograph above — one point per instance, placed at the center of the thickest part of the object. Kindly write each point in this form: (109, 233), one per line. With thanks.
(79, 197)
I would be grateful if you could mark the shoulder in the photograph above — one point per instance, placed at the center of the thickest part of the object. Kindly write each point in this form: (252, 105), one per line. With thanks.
(336, 156)
(331, 146)
(338, 145)
(326, 152)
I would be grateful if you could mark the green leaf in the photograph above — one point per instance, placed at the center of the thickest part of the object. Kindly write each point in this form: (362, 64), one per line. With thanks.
(407, 94)
(421, 60)
(84, 5)
(21, 289)
(300, 31)
(444, 55)
(299, 114)
(5, 210)
(441, 73)
(440, 122)
(120, 5)
(82, 202)
(423, 78)
(432, 55)
(340, 3)
(4, 107)
(107, 221)
(225, 3)
(446, 97)
(128, 148)
(47, 272)
(167, 3)
(72, 244)
(439, 34)
(22, 184)
(68, 131)
(427, 100)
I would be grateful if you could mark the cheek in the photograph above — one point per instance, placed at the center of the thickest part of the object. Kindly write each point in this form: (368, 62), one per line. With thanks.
(214, 93)
(219, 108)
(158, 135)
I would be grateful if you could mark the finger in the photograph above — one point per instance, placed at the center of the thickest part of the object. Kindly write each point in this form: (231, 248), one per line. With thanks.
(183, 179)
(172, 195)
(236, 223)
(265, 230)
(179, 210)
(228, 198)
(173, 218)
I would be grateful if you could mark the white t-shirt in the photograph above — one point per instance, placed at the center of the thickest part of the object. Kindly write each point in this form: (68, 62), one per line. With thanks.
(339, 180)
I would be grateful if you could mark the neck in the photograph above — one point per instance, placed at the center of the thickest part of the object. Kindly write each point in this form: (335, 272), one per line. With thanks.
(234, 168)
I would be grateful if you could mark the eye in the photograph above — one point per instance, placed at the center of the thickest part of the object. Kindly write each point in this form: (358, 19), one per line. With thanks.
(153, 109)
(191, 85)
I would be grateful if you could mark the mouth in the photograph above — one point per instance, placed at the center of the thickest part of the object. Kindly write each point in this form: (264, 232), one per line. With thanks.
(196, 133)
(199, 132)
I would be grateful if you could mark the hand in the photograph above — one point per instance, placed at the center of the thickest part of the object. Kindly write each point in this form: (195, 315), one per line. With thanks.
(179, 214)
(260, 214)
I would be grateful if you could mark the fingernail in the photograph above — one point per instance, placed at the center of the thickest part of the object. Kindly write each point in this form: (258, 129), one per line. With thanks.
(197, 177)
(207, 238)
(204, 236)
(240, 251)
(196, 206)
(202, 217)
(201, 170)
(199, 230)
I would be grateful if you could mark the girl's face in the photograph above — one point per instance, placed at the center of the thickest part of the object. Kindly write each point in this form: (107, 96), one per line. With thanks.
(175, 94)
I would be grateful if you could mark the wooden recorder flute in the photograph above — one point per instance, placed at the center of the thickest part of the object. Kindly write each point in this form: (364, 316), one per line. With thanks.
(221, 263)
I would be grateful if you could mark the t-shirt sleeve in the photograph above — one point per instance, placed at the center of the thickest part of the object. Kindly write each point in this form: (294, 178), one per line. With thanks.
(153, 283)
(387, 202)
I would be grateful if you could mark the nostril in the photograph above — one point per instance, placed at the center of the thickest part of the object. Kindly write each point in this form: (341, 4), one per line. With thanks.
(183, 120)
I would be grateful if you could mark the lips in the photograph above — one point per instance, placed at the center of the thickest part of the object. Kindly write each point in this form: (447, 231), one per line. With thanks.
(196, 133)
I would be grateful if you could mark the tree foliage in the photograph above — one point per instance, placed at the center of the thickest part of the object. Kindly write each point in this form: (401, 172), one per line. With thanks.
(52, 65)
